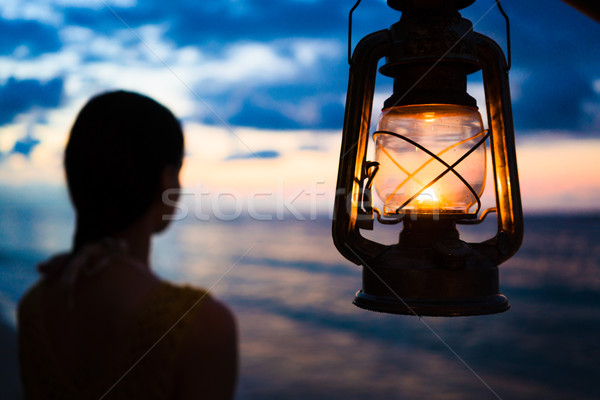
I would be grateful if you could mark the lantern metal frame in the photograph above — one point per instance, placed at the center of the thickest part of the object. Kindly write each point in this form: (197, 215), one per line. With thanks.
(430, 271)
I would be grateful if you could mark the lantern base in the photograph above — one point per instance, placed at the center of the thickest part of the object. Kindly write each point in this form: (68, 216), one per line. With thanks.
(432, 307)
(431, 272)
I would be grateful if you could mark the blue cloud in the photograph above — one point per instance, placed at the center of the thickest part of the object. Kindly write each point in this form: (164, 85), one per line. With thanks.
(195, 22)
(557, 48)
(280, 113)
(264, 154)
(552, 99)
(252, 115)
(25, 146)
(332, 116)
(19, 96)
(553, 44)
(36, 37)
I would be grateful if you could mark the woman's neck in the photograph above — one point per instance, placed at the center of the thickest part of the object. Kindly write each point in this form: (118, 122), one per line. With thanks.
(137, 237)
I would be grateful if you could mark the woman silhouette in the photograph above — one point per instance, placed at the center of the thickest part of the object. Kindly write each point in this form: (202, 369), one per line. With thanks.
(100, 324)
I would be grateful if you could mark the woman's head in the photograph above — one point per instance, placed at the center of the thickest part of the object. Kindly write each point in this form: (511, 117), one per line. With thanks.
(120, 146)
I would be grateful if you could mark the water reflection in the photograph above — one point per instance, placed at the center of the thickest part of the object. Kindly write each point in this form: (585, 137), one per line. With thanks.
(302, 337)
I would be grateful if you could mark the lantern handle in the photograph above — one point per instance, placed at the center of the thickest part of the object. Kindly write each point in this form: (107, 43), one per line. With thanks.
(350, 32)
(507, 33)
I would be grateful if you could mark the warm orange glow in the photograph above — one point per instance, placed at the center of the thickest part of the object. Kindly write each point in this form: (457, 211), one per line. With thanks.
(444, 130)
(428, 200)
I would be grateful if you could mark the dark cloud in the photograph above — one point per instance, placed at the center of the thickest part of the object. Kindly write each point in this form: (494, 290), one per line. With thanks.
(25, 146)
(279, 112)
(553, 46)
(36, 37)
(552, 99)
(252, 115)
(332, 116)
(19, 96)
(556, 48)
(264, 154)
(193, 22)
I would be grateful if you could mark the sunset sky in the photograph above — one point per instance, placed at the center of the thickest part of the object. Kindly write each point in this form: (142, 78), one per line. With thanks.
(260, 88)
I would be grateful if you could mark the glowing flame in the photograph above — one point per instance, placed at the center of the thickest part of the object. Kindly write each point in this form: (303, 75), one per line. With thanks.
(428, 200)
(428, 195)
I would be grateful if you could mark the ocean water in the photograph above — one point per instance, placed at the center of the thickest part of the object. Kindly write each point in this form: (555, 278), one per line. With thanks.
(301, 338)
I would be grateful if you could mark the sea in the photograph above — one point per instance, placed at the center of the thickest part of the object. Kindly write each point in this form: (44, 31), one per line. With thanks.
(300, 335)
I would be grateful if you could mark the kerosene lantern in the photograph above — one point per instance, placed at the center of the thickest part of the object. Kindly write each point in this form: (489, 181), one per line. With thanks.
(430, 166)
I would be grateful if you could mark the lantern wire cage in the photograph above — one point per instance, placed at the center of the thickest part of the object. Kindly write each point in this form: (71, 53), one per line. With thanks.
(372, 167)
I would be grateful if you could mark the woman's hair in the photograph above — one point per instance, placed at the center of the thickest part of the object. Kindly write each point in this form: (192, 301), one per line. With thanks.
(119, 145)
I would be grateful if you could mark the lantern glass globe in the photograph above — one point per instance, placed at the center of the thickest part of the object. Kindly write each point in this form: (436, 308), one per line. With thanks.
(448, 131)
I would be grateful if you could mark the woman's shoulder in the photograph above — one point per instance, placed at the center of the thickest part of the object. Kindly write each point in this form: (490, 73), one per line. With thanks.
(30, 302)
(170, 324)
(208, 362)
(192, 307)
(168, 294)
(215, 317)
(202, 310)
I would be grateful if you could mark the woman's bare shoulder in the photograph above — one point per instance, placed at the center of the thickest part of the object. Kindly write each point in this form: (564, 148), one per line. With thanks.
(29, 302)
(215, 317)
(213, 331)
(209, 357)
